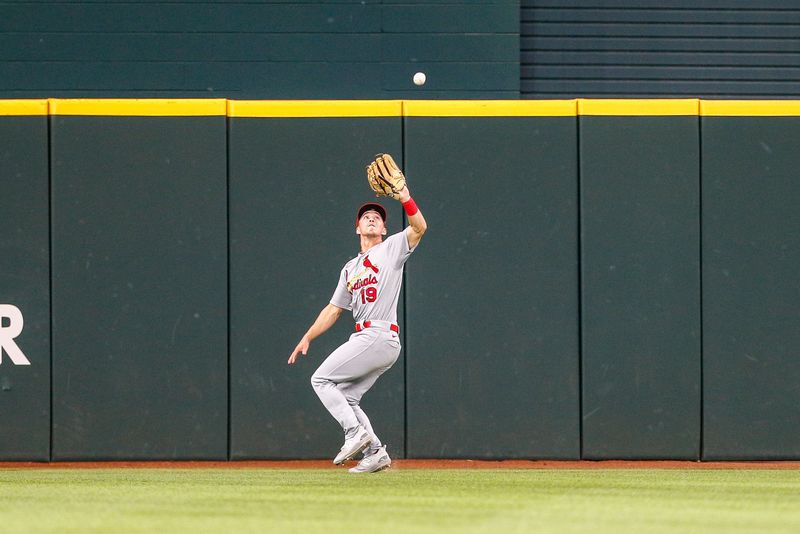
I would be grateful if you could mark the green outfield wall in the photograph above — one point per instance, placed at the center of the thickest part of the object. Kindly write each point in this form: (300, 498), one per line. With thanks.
(24, 282)
(751, 285)
(502, 250)
(139, 275)
(292, 229)
(601, 279)
(640, 279)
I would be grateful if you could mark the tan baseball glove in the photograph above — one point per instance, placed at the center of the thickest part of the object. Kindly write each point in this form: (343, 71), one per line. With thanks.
(385, 177)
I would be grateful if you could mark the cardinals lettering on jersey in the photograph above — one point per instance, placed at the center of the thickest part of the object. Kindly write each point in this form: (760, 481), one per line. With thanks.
(359, 281)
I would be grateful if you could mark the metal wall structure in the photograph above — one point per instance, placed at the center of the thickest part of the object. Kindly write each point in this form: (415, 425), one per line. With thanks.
(649, 48)
(610, 279)
(311, 49)
(24, 282)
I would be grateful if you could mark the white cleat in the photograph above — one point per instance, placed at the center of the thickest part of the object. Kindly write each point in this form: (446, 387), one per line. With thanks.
(352, 446)
(374, 462)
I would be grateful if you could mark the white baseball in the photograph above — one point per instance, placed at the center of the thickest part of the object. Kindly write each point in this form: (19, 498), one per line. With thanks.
(419, 78)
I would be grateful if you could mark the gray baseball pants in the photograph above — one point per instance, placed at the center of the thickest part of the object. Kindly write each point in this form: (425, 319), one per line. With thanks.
(350, 371)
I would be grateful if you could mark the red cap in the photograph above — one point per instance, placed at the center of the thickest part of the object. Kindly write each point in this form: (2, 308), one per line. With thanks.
(371, 206)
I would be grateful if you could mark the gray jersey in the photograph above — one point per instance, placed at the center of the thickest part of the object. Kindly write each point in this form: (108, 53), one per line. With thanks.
(369, 284)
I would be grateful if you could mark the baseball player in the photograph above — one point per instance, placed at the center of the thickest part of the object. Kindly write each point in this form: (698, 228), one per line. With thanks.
(369, 285)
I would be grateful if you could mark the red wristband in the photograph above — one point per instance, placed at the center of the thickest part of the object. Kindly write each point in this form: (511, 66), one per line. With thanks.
(410, 206)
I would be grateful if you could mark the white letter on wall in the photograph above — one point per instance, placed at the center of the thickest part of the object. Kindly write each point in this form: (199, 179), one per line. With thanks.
(8, 333)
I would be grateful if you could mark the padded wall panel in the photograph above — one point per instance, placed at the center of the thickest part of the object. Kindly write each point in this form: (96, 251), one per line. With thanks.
(139, 287)
(492, 298)
(295, 186)
(751, 287)
(640, 286)
(25, 286)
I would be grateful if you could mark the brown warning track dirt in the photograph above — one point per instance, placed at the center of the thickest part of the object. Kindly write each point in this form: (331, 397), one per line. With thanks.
(409, 464)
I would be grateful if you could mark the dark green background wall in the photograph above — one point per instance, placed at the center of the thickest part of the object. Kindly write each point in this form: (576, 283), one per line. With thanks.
(607, 285)
(751, 287)
(324, 49)
(139, 259)
(492, 294)
(266, 50)
(640, 259)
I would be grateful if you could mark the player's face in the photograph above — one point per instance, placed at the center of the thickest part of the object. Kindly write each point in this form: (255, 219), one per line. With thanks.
(371, 224)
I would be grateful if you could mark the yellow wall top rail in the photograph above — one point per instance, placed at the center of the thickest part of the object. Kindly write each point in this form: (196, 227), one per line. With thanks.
(489, 108)
(644, 107)
(23, 107)
(139, 107)
(402, 108)
(315, 108)
(749, 108)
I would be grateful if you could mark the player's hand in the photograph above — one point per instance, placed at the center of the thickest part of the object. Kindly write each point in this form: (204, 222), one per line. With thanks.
(301, 348)
(403, 195)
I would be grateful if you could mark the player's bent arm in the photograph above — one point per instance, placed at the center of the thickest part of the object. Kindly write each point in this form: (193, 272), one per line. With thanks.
(326, 318)
(416, 223)
(416, 228)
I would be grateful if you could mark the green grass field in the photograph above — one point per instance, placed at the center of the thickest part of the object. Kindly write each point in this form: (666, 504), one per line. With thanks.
(329, 501)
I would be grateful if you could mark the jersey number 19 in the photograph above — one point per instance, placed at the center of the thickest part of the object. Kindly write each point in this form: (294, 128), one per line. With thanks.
(369, 294)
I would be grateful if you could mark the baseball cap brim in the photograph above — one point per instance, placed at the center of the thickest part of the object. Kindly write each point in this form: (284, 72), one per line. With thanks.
(371, 206)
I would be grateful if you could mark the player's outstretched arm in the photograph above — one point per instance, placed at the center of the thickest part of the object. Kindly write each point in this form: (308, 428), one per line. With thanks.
(416, 222)
(329, 315)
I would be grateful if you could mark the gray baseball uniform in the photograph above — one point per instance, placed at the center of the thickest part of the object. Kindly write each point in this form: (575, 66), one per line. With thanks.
(369, 285)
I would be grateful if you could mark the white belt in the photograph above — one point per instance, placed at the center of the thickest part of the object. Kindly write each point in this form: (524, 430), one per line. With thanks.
(383, 325)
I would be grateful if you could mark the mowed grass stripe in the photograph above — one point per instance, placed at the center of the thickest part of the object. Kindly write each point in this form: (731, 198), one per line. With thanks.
(400, 500)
